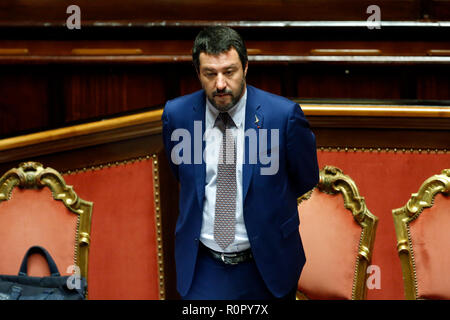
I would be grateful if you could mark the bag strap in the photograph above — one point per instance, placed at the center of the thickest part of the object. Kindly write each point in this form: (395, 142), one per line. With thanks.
(37, 249)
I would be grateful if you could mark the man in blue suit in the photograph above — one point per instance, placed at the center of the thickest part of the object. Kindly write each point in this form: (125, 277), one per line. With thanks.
(242, 157)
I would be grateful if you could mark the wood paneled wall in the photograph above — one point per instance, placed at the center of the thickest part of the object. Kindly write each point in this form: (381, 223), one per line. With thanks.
(35, 98)
(133, 58)
(29, 11)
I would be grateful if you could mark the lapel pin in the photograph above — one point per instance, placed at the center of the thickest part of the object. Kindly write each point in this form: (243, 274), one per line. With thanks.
(256, 121)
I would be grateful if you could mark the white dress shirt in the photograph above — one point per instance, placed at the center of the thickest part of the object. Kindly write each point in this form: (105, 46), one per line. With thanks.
(213, 140)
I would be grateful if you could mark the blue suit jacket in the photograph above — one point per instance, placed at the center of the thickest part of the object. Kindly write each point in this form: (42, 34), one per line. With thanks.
(270, 201)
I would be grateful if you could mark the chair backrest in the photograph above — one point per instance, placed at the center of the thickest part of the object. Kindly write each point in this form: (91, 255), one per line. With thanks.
(422, 228)
(127, 254)
(338, 233)
(29, 215)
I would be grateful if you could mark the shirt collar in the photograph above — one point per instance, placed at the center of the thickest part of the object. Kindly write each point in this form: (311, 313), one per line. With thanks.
(236, 113)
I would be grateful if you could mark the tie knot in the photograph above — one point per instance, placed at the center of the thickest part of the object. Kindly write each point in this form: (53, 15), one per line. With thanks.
(226, 119)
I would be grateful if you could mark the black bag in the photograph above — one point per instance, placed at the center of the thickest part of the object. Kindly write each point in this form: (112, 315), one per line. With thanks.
(55, 287)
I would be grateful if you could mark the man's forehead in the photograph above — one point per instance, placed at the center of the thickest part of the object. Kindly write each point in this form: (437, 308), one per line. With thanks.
(223, 59)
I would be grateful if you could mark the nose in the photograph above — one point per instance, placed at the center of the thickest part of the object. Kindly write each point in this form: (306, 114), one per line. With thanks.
(221, 84)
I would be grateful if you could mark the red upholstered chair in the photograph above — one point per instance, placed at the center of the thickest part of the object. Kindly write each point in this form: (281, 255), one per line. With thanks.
(31, 215)
(423, 239)
(126, 257)
(338, 233)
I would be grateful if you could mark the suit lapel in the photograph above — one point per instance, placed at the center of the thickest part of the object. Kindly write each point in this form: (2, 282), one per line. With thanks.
(199, 167)
(254, 120)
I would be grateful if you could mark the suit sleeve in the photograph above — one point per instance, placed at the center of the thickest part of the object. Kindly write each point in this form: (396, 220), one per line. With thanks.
(168, 143)
(301, 152)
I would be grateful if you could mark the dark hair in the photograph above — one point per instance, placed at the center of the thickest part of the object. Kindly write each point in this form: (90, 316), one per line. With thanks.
(216, 40)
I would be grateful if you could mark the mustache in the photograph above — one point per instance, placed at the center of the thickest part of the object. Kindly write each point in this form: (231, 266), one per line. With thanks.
(220, 92)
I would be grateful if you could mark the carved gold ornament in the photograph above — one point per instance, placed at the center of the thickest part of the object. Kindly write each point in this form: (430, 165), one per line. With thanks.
(333, 181)
(32, 175)
(403, 216)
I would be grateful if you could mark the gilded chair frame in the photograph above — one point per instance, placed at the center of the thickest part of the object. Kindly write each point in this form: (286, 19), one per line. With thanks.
(32, 175)
(333, 181)
(424, 198)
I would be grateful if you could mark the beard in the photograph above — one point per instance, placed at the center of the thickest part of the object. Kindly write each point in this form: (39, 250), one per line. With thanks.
(234, 97)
